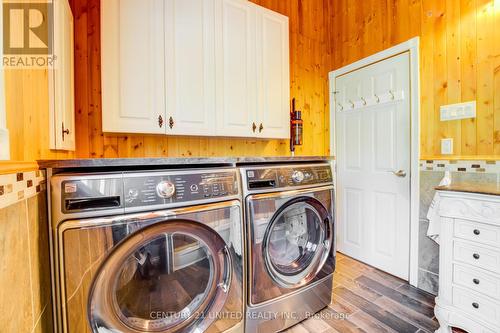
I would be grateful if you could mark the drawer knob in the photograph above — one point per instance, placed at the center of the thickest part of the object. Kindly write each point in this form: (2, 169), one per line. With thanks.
(475, 305)
(476, 256)
(476, 232)
(476, 281)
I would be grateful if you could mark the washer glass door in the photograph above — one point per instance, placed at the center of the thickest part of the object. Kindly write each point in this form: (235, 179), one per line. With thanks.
(166, 277)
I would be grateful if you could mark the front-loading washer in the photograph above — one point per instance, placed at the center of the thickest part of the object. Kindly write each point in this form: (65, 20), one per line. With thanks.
(157, 251)
(289, 213)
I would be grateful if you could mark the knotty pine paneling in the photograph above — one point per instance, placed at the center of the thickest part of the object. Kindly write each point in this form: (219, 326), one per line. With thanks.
(27, 106)
(459, 59)
(309, 68)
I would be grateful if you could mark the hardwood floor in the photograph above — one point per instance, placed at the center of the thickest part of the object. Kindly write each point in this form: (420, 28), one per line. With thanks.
(368, 300)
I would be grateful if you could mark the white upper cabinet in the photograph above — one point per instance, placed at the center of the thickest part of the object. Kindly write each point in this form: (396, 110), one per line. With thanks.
(236, 64)
(133, 57)
(273, 68)
(190, 67)
(62, 101)
(201, 67)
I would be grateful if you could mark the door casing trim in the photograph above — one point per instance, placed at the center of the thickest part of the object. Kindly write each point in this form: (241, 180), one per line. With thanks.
(412, 47)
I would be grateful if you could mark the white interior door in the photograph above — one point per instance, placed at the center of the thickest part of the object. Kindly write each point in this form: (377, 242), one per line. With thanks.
(373, 138)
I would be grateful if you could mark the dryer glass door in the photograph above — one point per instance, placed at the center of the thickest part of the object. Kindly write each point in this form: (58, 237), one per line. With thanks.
(291, 239)
(167, 276)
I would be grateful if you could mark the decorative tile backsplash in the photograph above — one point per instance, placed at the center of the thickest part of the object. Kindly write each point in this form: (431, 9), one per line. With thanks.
(460, 166)
(22, 185)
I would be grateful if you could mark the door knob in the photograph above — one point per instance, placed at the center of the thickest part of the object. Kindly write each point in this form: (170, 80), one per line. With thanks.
(400, 173)
(261, 127)
(254, 127)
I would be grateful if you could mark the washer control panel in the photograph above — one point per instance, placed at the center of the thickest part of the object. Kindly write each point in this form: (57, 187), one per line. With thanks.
(287, 176)
(163, 188)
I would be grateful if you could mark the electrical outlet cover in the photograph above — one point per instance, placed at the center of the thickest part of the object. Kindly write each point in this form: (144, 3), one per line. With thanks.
(447, 146)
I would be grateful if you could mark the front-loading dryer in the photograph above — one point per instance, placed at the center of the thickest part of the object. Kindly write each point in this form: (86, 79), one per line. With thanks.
(157, 251)
(290, 242)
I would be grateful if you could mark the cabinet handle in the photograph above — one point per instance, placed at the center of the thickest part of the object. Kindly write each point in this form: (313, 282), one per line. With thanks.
(254, 127)
(476, 232)
(476, 281)
(64, 131)
(160, 121)
(475, 305)
(171, 122)
(261, 127)
(476, 256)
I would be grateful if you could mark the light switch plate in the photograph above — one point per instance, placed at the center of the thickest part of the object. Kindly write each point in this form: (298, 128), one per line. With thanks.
(447, 146)
(458, 111)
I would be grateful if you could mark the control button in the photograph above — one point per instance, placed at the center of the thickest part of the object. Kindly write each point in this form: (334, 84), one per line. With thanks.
(194, 188)
(307, 175)
(165, 189)
(208, 195)
(297, 176)
(132, 195)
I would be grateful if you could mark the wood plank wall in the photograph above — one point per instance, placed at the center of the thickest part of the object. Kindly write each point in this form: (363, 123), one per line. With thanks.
(308, 84)
(27, 105)
(460, 61)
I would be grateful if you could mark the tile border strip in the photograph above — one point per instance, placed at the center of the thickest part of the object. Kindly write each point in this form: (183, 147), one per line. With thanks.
(460, 166)
(19, 186)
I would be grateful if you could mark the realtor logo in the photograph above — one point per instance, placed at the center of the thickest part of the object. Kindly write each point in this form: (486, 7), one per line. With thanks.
(27, 32)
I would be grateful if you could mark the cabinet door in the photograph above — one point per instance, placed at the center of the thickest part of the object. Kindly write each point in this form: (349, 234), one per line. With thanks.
(132, 42)
(273, 68)
(62, 80)
(236, 75)
(190, 66)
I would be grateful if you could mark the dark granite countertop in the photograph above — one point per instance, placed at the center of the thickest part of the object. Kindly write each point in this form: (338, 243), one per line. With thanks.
(480, 188)
(174, 161)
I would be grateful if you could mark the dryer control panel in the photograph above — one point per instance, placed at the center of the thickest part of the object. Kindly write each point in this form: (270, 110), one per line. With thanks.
(163, 188)
(287, 176)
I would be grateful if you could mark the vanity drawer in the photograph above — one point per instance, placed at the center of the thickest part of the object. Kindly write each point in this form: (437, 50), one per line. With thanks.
(476, 305)
(477, 232)
(477, 280)
(477, 256)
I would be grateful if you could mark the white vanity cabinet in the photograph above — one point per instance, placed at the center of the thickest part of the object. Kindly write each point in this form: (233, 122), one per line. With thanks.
(195, 67)
(469, 263)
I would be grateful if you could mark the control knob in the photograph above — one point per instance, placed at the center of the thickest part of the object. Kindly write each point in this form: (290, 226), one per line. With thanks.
(165, 189)
(298, 176)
